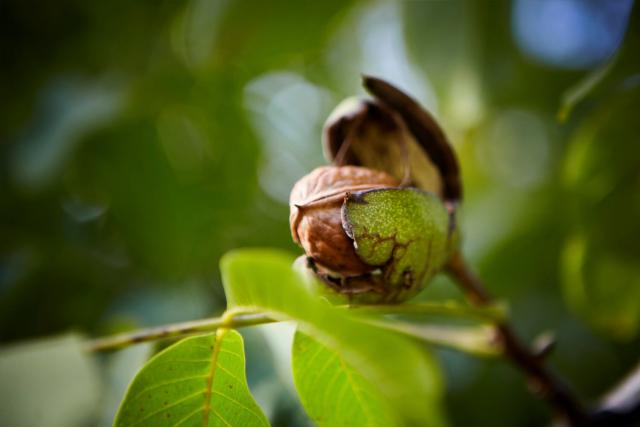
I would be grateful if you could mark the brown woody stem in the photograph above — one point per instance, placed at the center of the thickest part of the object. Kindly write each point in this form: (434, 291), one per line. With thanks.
(540, 378)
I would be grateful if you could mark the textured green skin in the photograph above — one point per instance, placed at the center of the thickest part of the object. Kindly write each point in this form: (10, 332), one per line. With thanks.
(404, 231)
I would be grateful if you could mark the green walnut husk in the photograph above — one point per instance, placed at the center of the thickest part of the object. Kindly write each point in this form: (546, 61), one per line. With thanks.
(407, 233)
(399, 237)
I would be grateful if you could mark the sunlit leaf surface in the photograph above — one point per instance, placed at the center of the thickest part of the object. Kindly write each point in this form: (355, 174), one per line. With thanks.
(333, 392)
(199, 381)
(408, 378)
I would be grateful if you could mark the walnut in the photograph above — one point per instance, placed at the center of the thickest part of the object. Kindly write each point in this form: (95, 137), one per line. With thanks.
(316, 223)
(379, 223)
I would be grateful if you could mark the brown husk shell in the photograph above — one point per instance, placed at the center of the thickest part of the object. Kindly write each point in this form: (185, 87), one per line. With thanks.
(315, 218)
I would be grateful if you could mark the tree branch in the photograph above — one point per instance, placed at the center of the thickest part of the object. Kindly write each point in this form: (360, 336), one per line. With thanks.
(230, 320)
(541, 379)
(463, 340)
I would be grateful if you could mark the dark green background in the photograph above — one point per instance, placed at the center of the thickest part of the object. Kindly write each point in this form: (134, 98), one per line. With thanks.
(139, 141)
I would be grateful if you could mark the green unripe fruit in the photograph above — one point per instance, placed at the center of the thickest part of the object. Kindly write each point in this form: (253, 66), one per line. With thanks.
(406, 232)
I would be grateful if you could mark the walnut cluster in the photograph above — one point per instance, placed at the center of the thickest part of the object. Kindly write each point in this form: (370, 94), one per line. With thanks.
(381, 143)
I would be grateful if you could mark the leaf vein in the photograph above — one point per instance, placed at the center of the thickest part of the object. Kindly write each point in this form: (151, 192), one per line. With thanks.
(220, 333)
(164, 408)
(231, 374)
(356, 389)
(231, 353)
(155, 386)
(189, 415)
(249, 410)
(219, 416)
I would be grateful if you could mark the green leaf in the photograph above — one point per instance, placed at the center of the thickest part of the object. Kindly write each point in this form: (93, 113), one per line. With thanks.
(118, 369)
(51, 382)
(332, 391)
(496, 312)
(199, 381)
(478, 340)
(408, 377)
(405, 231)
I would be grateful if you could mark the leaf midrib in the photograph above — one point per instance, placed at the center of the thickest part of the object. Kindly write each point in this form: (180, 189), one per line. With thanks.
(212, 372)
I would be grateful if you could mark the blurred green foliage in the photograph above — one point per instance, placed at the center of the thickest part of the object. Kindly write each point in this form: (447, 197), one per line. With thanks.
(140, 141)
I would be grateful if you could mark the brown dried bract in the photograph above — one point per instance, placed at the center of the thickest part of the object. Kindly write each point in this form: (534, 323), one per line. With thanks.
(315, 217)
(395, 134)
